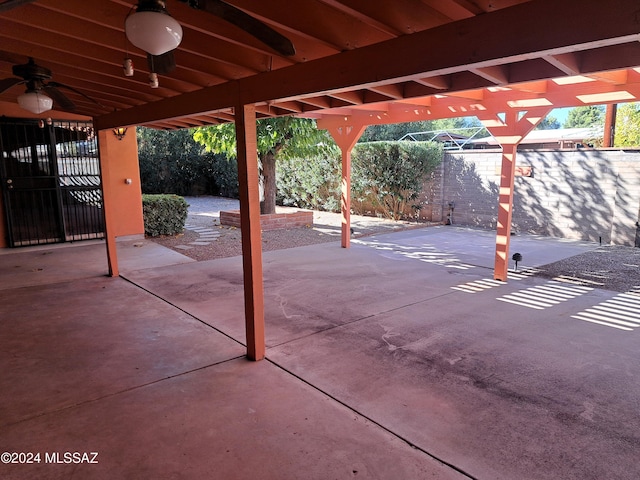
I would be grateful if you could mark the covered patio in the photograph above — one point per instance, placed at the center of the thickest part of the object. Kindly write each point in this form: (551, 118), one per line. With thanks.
(406, 356)
(421, 369)
(346, 65)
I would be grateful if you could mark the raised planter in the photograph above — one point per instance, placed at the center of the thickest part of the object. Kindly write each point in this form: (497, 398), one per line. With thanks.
(272, 221)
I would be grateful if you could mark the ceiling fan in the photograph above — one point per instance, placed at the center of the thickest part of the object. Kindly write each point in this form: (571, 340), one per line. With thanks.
(40, 93)
(152, 29)
(164, 62)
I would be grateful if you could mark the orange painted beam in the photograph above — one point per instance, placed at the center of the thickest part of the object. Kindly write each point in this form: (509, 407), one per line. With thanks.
(250, 228)
(477, 42)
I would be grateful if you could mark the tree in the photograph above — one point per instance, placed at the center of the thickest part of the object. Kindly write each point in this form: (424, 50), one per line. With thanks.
(173, 162)
(586, 116)
(456, 122)
(168, 160)
(277, 137)
(548, 123)
(394, 131)
(628, 125)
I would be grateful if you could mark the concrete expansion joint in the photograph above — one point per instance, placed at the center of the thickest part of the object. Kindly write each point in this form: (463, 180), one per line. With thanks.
(370, 419)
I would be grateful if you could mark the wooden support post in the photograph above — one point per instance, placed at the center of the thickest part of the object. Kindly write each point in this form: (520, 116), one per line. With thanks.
(105, 138)
(509, 132)
(345, 199)
(345, 133)
(505, 210)
(247, 146)
(610, 125)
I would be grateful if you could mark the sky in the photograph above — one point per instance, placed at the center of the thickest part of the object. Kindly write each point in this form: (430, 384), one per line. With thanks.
(560, 114)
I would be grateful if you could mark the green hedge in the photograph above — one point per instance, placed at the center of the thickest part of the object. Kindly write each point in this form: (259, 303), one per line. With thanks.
(163, 214)
(386, 178)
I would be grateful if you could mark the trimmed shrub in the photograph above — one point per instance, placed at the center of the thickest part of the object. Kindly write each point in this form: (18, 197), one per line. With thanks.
(163, 214)
(386, 179)
(312, 183)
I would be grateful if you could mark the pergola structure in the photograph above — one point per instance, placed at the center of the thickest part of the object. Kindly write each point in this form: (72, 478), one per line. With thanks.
(357, 63)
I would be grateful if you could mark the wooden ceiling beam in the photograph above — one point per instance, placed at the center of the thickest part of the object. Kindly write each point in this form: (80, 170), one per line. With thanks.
(290, 106)
(440, 82)
(112, 14)
(538, 87)
(567, 63)
(382, 26)
(394, 91)
(617, 77)
(320, 21)
(498, 74)
(64, 51)
(318, 102)
(532, 70)
(352, 97)
(451, 9)
(59, 32)
(477, 42)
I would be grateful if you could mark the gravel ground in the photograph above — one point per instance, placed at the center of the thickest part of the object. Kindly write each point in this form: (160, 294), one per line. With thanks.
(205, 212)
(612, 267)
(228, 243)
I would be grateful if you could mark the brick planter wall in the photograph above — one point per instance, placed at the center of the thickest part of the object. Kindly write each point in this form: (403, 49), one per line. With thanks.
(273, 221)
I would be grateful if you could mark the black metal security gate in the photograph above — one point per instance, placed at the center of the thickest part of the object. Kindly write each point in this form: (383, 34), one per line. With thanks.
(51, 186)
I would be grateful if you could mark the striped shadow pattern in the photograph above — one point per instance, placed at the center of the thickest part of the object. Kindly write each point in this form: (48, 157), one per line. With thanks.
(621, 312)
(545, 296)
(487, 283)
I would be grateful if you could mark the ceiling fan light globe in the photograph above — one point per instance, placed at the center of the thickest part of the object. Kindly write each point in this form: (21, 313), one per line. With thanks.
(154, 32)
(35, 102)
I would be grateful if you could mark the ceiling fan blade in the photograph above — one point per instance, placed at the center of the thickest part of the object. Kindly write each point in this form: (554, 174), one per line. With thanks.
(162, 64)
(10, 4)
(7, 83)
(61, 100)
(54, 86)
(246, 22)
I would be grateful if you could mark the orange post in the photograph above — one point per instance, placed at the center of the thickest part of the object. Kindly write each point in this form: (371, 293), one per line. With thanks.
(610, 125)
(505, 211)
(345, 133)
(509, 129)
(247, 146)
(345, 199)
(108, 201)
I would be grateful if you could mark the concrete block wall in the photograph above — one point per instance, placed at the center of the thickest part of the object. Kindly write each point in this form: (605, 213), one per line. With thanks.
(579, 194)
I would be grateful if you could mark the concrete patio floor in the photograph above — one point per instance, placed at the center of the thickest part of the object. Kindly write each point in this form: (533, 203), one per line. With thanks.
(398, 358)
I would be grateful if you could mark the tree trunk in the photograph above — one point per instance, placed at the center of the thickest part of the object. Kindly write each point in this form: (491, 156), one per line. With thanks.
(269, 175)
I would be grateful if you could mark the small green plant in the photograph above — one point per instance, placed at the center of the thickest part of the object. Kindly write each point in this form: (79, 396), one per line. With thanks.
(163, 214)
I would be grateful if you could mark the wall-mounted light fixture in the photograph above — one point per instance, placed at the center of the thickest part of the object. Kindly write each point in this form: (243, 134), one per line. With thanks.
(120, 132)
